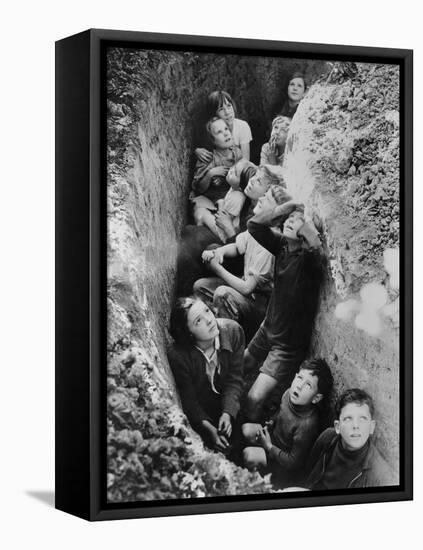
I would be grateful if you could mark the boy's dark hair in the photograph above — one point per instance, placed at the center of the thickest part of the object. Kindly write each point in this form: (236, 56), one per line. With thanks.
(319, 368)
(246, 173)
(298, 74)
(178, 320)
(215, 101)
(354, 395)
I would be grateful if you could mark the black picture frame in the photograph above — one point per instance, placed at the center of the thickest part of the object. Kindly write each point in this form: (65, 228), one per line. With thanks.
(81, 266)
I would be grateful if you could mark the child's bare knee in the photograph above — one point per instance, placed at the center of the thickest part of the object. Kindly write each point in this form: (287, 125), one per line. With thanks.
(254, 398)
(198, 215)
(249, 431)
(248, 458)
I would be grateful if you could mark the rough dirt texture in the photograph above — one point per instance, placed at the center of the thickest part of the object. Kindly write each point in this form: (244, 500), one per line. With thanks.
(153, 98)
(343, 162)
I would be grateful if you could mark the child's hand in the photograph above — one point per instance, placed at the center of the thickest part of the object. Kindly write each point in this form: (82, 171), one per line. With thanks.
(218, 255)
(225, 425)
(219, 205)
(219, 441)
(204, 155)
(263, 438)
(309, 232)
(207, 255)
(283, 211)
(219, 171)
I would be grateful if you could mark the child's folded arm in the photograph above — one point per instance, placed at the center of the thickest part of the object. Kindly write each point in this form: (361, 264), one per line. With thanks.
(244, 287)
(310, 234)
(296, 457)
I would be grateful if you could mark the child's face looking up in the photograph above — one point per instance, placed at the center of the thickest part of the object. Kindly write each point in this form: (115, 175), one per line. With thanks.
(265, 203)
(291, 226)
(304, 388)
(226, 112)
(256, 187)
(279, 133)
(201, 322)
(355, 425)
(296, 90)
(222, 137)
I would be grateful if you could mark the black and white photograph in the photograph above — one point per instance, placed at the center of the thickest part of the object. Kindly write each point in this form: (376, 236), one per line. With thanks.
(253, 275)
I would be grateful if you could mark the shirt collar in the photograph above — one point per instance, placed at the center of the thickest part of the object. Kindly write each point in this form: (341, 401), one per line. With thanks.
(216, 348)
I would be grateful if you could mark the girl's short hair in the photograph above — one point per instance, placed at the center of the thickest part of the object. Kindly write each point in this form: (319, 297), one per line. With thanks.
(354, 395)
(298, 74)
(179, 321)
(215, 101)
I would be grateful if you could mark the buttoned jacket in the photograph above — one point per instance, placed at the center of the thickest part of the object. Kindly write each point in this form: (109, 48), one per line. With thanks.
(188, 365)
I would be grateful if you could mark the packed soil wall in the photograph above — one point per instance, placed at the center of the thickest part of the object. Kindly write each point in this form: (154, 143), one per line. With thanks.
(343, 163)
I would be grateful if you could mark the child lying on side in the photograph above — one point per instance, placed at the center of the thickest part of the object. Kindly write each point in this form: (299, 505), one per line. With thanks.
(231, 204)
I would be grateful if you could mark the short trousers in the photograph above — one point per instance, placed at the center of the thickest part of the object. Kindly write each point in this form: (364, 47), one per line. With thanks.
(279, 361)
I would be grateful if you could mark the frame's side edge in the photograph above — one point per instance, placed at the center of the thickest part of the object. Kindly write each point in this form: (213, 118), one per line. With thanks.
(407, 271)
(98, 271)
(72, 275)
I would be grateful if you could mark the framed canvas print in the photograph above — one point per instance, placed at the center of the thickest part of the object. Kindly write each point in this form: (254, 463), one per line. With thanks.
(234, 231)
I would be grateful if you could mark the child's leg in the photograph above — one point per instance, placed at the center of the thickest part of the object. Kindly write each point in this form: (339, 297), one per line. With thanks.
(254, 458)
(249, 432)
(201, 205)
(209, 221)
(204, 288)
(260, 390)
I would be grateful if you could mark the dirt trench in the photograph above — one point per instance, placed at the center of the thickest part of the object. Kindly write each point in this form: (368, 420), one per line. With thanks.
(154, 104)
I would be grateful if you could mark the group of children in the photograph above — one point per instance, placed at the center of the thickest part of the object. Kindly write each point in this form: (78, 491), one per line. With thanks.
(230, 367)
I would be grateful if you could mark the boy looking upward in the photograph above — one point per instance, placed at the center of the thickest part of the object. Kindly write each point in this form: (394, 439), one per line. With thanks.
(281, 343)
(344, 456)
(284, 446)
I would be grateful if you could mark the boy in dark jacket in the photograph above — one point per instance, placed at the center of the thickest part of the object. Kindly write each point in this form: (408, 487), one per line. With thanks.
(281, 343)
(284, 444)
(344, 456)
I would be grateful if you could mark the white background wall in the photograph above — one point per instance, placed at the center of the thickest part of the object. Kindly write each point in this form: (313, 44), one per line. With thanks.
(28, 32)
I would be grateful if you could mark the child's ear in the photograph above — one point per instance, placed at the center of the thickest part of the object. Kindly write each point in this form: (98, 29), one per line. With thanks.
(372, 427)
(318, 397)
(336, 426)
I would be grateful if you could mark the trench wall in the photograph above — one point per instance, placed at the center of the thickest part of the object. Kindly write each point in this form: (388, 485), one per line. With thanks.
(343, 163)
